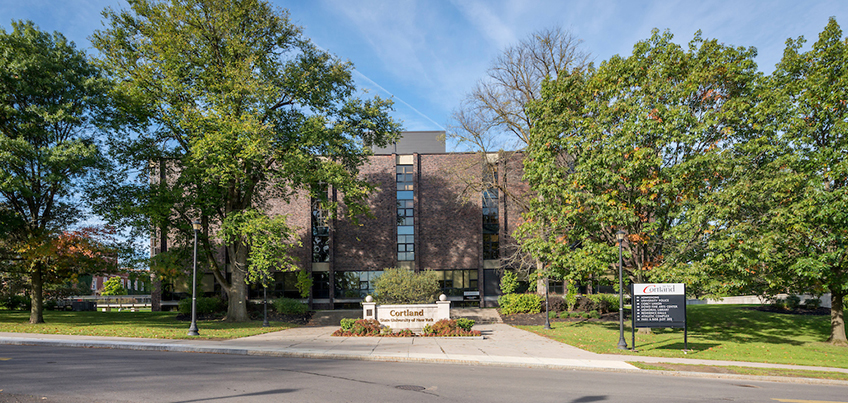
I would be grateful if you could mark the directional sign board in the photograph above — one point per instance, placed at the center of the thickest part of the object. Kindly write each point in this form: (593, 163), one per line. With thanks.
(659, 305)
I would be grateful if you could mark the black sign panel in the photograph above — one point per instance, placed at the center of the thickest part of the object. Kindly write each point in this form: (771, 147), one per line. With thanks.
(659, 311)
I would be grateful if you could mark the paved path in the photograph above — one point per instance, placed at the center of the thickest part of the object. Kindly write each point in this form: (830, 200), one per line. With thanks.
(501, 345)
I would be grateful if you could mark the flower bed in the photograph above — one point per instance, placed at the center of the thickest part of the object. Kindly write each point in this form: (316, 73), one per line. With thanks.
(372, 328)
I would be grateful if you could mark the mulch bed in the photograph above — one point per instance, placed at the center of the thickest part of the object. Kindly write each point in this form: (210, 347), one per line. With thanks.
(799, 311)
(538, 319)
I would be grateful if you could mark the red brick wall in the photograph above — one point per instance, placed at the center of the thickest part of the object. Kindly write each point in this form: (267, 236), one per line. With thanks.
(450, 228)
(372, 244)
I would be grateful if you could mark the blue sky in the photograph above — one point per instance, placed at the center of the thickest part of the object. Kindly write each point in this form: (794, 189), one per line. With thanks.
(428, 54)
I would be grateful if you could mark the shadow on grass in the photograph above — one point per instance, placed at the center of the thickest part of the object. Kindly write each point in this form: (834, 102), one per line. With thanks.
(741, 325)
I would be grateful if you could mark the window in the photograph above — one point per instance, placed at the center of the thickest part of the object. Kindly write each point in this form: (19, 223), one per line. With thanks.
(406, 247)
(355, 284)
(405, 214)
(320, 229)
(454, 282)
(491, 224)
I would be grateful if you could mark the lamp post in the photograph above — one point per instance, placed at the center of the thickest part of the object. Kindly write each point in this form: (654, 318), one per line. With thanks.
(622, 344)
(547, 307)
(192, 330)
(265, 301)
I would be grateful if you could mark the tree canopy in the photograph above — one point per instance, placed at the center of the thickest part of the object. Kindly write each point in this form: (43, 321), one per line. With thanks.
(242, 109)
(53, 105)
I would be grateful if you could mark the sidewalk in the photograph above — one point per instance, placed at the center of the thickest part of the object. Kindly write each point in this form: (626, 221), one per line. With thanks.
(501, 345)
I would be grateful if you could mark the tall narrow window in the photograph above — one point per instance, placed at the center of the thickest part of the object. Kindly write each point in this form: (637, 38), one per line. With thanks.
(491, 225)
(405, 213)
(320, 230)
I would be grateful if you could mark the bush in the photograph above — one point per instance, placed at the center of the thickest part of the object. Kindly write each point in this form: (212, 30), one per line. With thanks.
(509, 282)
(793, 302)
(288, 306)
(402, 286)
(17, 302)
(605, 302)
(812, 303)
(520, 303)
(778, 303)
(566, 314)
(585, 304)
(593, 315)
(347, 323)
(366, 327)
(552, 315)
(555, 304)
(465, 323)
(205, 305)
(448, 327)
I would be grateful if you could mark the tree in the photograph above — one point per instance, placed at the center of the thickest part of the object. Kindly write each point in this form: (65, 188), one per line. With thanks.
(114, 286)
(636, 145)
(53, 102)
(242, 109)
(493, 118)
(786, 229)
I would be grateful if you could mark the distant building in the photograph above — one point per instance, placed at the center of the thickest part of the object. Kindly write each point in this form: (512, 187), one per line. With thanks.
(136, 282)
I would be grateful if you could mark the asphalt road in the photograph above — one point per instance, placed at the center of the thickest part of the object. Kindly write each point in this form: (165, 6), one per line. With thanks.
(44, 374)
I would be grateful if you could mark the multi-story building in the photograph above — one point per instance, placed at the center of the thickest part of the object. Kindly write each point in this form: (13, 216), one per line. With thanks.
(429, 213)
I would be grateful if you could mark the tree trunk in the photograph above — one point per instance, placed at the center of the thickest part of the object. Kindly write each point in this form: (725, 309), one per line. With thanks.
(837, 320)
(237, 292)
(36, 313)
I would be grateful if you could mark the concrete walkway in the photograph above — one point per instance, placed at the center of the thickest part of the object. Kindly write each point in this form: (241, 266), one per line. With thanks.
(501, 345)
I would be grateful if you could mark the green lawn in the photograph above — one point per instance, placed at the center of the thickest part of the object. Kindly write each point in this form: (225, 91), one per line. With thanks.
(156, 325)
(717, 332)
(662, 366)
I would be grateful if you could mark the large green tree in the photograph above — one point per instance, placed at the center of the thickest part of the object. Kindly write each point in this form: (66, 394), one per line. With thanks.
(636, 145)
(814, 87)
(243, 109)
(53, 103)
(783, 225)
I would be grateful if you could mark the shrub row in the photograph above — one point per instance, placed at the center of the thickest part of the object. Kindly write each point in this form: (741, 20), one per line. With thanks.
(520, 303)
(205, 305)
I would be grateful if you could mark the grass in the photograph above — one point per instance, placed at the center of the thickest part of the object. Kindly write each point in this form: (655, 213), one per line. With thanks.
(154, 325)
(795, 373)
(717, 332)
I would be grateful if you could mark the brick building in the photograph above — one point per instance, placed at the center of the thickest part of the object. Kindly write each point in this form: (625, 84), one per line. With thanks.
(427, 215)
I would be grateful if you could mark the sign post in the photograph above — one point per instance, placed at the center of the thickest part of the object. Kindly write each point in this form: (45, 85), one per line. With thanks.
(659, 305)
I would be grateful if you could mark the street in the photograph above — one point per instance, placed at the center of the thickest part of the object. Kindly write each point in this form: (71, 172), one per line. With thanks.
(49, 374)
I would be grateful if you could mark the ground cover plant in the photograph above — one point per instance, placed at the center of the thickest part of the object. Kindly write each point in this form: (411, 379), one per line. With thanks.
(716, 332)
(156, 325)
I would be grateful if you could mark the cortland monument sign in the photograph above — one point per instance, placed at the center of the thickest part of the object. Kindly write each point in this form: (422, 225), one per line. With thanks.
(413, 317)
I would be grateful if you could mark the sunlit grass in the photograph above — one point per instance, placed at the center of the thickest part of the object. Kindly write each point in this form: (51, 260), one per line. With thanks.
(155, 325)
(717, 332)
(795, 373)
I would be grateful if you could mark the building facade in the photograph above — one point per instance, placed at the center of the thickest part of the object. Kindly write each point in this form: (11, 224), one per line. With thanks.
(429, 212)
